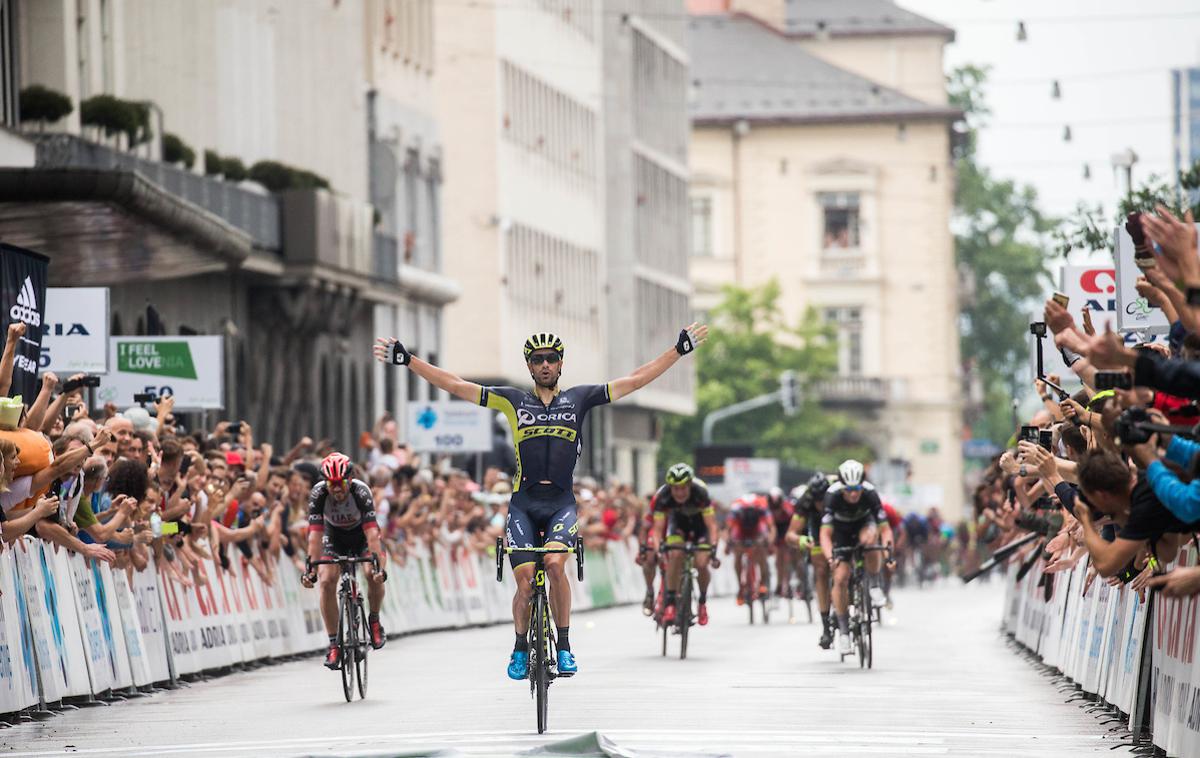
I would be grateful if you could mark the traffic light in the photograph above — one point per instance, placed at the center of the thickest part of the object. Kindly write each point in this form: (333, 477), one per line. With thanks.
(789, 396)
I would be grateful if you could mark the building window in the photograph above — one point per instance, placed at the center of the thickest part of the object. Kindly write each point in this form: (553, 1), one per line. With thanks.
(841, 220)
(847, 324)
(702, 246)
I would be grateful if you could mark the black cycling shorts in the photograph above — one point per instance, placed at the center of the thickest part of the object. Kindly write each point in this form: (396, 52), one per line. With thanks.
(845, 533)
(687, 529)
(348, 542)
(554, 516)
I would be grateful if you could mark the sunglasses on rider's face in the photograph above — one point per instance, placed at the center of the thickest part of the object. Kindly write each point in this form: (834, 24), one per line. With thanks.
(853, 487)
(540, 358)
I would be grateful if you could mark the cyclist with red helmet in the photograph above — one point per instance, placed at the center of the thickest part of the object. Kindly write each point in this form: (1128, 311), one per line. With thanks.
(341, 521)
(750, 522)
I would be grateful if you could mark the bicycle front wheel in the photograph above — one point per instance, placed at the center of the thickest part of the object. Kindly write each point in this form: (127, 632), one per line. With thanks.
(541, 666)
(364, 647)
(685, 612)
(347, 646)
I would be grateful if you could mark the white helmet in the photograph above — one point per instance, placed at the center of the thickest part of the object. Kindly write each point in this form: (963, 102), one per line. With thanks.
(851, 473)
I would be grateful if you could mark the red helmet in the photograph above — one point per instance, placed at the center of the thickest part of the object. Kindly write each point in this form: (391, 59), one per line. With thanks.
(335, 467)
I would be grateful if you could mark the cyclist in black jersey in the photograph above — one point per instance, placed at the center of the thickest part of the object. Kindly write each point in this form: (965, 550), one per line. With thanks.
(853, 515)
(804, 532)
(546, 423)
(683, 512)
(341, 521)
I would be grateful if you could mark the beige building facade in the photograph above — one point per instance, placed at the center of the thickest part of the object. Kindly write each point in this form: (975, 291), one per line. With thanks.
(823, 162)
(565, 126)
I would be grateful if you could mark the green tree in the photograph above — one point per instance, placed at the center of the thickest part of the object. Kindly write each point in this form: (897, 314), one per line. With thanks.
(1090, 229)
(749, 344)
(1001, 245)
(44, 105)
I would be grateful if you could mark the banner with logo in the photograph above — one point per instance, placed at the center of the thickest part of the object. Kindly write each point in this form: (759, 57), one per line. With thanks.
(449, 427)
(1134, 312)
(190, 368)
(23, 294)
(75, 331)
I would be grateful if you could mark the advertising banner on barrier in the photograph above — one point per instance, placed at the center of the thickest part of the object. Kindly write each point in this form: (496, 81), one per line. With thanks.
(91, 626)
(182, 634)
(130, 624)
(17, 687)
(64, 622)
(151, 619)
(46, 654)
(1172, 692)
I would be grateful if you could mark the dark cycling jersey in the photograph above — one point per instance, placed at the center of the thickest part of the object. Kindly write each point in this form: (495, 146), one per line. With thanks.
(697, 503)
(546, 437)
(837, 508)
(356, 511)
(782, 516)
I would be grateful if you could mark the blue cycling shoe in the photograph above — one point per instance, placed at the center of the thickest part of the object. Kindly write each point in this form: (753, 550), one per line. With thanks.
(518, 665)
(566, 663)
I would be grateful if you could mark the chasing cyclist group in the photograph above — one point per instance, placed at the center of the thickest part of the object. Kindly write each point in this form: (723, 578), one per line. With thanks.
(828, 513)
(821, 518)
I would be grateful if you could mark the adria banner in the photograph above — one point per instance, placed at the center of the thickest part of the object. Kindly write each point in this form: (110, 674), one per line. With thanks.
(75, 331)
(1094, 287)
(190, 368)
(23, 297)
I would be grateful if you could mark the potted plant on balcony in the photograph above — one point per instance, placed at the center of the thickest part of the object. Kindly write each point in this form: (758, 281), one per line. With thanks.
(43, 105)
(175, 150)
(115, 117)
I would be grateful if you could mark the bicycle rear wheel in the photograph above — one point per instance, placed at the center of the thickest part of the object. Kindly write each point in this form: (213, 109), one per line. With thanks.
(864, 625)
(364, 647)
(750, 588)
(346, 642)
(684, 617)
(541, 667)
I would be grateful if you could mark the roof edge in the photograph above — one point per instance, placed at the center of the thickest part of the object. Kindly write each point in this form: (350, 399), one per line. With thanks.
(948, 115)
(132, 191)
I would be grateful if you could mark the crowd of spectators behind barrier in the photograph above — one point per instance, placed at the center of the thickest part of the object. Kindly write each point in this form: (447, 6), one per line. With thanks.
(1108, 485)
(122, 486)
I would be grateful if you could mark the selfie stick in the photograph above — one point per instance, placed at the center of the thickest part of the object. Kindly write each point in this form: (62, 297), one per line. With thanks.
(1001, 555)
(1038, 330)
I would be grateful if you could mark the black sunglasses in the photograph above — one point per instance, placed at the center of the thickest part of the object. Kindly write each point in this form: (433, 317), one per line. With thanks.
(541, 358)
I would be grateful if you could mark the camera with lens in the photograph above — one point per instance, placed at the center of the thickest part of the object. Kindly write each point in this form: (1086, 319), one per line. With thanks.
(1047, 526)
(1130, 426)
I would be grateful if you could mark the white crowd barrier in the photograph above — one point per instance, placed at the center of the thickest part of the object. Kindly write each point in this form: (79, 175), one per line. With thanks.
(74, 629)
(1139, 656)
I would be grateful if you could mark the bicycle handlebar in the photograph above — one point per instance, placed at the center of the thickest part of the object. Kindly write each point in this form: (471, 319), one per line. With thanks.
(503, 550)
(341, 560)
(844, 551)
(689, 547)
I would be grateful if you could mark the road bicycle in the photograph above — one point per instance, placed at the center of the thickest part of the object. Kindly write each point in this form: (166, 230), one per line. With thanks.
(684, 612)
(750, 581)
(803, 588)
(542, 649)
(860, 599)
(354, 632)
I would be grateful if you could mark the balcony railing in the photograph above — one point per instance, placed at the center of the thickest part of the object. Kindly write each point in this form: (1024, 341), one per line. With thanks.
(852, 391)
(256, 214)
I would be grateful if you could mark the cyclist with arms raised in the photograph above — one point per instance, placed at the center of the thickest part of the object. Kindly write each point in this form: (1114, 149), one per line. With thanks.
(546, 423)
(853, 516)
(683, 512)
(341, 521)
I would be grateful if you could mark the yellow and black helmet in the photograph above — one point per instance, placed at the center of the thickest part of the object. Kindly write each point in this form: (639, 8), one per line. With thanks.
(543, 341)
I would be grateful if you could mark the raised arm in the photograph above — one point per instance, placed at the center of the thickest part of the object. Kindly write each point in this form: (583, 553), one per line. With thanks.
(390, 351)
(689, 339)
(15, 332)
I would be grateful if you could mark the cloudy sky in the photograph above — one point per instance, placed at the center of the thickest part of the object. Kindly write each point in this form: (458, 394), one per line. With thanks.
(1112, 59)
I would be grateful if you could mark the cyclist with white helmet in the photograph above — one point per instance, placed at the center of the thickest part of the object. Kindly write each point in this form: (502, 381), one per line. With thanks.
(341, 521)
(546, 423)
(683, 512)
(854, 515)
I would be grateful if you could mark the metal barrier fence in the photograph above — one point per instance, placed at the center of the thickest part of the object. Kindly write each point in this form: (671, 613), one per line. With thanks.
(1137, 656)
(75, 630)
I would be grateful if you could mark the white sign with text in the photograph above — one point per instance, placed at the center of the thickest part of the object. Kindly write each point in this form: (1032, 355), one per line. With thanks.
(75, 332)
(744, 475)
(1134, 313)
(449, 427)
(190, 368)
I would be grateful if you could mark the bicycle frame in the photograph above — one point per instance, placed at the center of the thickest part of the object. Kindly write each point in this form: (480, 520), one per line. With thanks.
(859, 596)
(541, 631)
(352, 647)
(688, 572)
